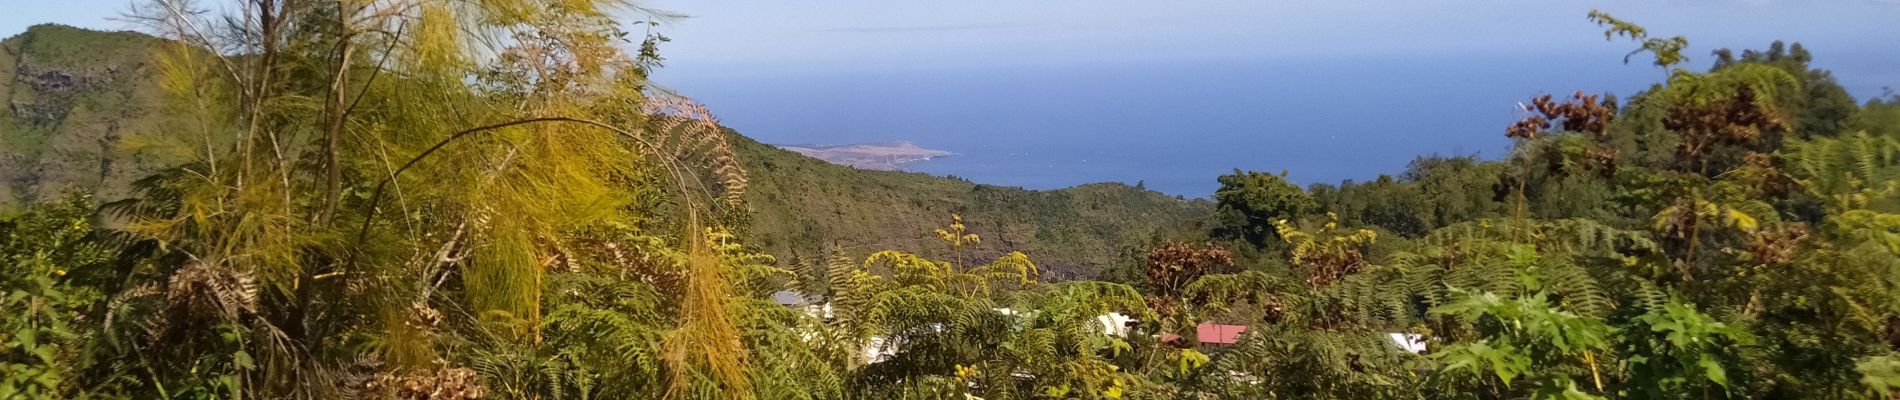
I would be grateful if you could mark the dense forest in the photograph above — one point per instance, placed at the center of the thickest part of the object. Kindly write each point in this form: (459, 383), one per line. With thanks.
(429, 199)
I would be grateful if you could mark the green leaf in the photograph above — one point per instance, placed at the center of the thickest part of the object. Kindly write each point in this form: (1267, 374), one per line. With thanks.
(1505, 373)
(45, 353)
(229, 382)
(28, 337)
(1713, 370)
(59, 330)
(1191, 359)
(1572, 393)
(243, 360)
(47, 380)
(1880, 373)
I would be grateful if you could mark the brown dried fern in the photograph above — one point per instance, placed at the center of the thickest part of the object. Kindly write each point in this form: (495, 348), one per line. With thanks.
(684, 130)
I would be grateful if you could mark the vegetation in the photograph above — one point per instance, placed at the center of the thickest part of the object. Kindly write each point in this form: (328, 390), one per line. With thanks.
(101, 130)
(801, 208)
(78, 119)
(458, 200)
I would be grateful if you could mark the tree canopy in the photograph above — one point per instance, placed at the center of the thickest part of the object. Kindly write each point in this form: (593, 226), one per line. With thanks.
(433, 199)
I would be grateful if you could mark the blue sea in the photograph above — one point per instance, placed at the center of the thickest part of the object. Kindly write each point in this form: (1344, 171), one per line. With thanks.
(1174, 126)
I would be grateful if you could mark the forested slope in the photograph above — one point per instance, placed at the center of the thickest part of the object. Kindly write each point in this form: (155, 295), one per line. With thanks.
(803, 205)
(531, 219)
(83, 114)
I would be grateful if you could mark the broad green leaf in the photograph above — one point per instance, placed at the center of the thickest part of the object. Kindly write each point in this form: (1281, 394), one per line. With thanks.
(1713, 370)
(243, 360)
(28, 337)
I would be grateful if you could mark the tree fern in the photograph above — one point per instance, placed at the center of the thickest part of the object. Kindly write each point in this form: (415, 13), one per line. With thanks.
(1850, 171)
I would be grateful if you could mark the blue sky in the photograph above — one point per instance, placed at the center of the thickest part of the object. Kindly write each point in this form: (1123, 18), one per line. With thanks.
(1052, 93)
(781, 37)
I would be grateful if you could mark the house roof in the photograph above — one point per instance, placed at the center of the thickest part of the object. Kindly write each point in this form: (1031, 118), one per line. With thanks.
(1219, 334)
(1212, 333)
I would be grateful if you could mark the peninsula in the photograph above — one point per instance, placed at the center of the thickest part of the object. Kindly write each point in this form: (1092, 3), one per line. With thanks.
(890, 156)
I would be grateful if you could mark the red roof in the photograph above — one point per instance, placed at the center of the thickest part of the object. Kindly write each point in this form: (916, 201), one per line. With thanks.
(1212, 333)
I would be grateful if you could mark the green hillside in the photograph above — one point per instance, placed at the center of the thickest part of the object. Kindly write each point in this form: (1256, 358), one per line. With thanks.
(79, 108)
(555, 228)
(79, 120)
(802, 205)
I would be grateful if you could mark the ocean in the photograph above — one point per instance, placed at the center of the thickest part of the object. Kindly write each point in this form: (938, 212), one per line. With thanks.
(1171, 126)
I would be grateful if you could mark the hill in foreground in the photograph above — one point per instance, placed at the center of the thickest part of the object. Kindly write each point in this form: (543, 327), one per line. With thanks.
(81, 109)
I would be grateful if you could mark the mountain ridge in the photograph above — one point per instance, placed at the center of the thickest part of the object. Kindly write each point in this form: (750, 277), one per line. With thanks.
(76, 119)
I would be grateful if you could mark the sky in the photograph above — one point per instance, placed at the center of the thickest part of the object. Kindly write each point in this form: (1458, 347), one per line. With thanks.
(782, 38)
(1053, 93)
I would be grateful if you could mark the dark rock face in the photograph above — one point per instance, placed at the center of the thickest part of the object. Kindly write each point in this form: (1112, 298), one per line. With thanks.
(55, 89)
(50, 82)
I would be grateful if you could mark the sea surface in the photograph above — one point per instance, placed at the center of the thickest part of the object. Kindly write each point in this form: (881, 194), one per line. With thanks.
(1174, 127)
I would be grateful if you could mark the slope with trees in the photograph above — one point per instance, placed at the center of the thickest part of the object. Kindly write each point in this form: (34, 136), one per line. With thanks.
(378, 202)
(94, 120)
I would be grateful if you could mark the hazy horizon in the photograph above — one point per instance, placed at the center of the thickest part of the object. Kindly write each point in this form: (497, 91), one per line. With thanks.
(1047, 100)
